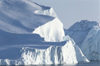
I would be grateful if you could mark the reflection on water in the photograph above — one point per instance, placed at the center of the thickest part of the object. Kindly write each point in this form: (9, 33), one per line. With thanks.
(80, 64)
(88, 64)
(94, 63)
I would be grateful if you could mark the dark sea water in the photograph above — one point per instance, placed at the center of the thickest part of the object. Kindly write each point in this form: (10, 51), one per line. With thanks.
(80, 64)
(88, 64)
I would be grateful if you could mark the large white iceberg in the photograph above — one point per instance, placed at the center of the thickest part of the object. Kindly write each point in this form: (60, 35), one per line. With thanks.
(23, 25)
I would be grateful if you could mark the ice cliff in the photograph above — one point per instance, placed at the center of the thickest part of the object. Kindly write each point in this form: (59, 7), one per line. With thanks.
(69, 53)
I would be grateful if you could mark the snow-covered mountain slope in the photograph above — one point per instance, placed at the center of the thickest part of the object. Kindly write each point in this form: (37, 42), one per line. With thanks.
(91, 45)
(79, 30)
(66, 54)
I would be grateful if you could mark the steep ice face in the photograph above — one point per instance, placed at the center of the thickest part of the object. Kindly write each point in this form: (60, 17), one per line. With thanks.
(66, 54)
(79, 30)
(91, 45)
(75, 52)
(51, 31)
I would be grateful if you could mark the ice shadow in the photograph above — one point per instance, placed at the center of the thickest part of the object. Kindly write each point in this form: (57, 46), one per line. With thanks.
(11, 44)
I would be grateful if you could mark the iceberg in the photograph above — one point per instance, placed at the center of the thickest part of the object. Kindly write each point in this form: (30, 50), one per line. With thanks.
(86, 35)
(32, 34)
(91, 44)
(80, 30)
(69, 53)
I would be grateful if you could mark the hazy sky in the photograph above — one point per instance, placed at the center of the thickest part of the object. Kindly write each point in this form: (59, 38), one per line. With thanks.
(71, 11)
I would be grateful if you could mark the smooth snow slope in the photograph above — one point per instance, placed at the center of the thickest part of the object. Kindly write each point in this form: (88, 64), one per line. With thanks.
(66, 54)
(19, 16)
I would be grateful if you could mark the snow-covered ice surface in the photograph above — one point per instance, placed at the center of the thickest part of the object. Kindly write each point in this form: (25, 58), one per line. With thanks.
(19, 16)
(32, 34)
(51, 31)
